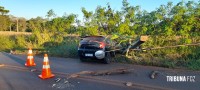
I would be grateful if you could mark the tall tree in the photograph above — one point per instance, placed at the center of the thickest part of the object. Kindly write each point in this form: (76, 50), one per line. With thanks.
(61, 24)
(3, 11)
(4, 23)
(36, 24)
(87, 15)
(4, 19)
(50, 14)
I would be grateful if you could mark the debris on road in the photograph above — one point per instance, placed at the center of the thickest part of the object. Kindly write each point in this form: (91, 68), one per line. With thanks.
(73, 76)
(154, 74)
(57, 79)
(1, 65)
(62, 84)
(111, 72)
(33, 70)
(53, 85)
(66, 81)
(128, 84)
(101, 73)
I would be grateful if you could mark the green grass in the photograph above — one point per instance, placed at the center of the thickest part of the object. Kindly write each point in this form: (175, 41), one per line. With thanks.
(194, 64)
(67, 48)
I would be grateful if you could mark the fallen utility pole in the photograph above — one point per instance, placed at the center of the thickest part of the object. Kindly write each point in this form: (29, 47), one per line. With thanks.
(141, 40)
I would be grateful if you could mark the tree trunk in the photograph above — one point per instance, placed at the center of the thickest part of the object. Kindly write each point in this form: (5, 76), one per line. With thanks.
(17, 26)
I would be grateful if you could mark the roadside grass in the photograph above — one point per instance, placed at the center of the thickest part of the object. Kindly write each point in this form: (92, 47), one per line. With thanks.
(194, 64)
(167, 58)
(12, 33)
(67, 48)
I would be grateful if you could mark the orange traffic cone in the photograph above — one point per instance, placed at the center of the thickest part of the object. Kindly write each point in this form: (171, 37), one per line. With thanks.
(46, 72)
(30, 59)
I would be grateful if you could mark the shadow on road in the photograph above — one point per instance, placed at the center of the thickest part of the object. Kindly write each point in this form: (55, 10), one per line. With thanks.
(16, 59)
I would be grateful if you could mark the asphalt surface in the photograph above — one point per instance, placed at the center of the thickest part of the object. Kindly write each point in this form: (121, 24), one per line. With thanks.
(15, 76)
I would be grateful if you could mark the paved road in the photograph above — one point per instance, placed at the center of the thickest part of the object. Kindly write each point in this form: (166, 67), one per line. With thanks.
(19, 77)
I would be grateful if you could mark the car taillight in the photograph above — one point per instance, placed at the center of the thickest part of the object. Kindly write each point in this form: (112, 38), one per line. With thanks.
(101, 45)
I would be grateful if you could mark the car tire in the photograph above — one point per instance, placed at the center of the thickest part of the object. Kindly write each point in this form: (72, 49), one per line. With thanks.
(107, 58)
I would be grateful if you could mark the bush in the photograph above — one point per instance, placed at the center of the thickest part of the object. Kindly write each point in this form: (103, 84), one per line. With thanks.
(194, 64)
(20, 41)
(6, 43)
(67, 48)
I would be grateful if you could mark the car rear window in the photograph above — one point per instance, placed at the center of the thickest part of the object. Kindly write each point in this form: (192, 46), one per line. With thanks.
(94, 38)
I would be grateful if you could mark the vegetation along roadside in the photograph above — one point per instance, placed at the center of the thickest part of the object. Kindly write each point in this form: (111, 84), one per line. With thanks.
(168, 25)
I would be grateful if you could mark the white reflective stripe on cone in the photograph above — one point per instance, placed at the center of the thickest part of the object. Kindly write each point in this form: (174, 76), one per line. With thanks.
(45, 66)
(46, 59)
(30, 52)
(30, 57)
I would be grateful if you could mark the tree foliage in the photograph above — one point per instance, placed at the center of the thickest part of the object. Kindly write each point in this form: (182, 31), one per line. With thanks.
(4, 23)
(3, 11)
(181, 19)
(4, 19)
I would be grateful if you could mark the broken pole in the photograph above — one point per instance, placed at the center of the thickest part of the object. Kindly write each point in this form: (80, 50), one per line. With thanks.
(141, 40)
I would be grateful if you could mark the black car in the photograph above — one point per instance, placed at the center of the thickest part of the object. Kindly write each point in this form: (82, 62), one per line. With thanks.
(96, 47)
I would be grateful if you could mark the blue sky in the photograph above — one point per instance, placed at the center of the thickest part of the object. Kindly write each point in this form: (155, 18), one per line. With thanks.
(33, 8)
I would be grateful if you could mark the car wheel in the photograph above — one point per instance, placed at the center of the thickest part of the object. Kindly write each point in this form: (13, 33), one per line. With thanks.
(107, 58)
